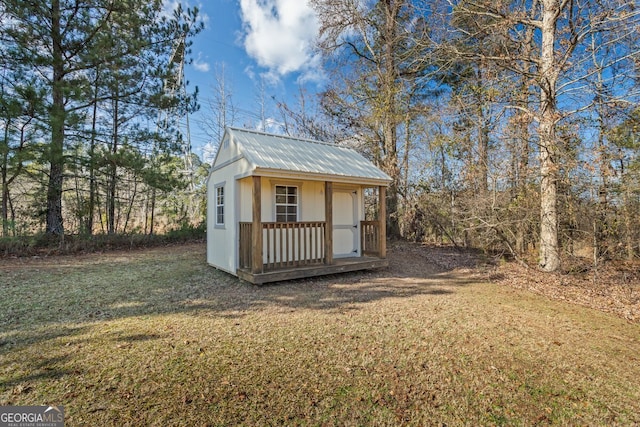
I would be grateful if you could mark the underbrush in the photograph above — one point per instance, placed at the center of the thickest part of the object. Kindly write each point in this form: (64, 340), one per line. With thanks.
(43, 244)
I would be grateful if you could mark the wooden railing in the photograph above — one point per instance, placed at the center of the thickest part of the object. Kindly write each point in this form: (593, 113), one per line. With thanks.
(245, 247)
(370, 237)
(284, 244)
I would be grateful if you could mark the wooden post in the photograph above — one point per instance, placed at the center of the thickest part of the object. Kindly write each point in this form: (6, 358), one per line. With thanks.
(382, 217)
(256, 227)
(328, 222)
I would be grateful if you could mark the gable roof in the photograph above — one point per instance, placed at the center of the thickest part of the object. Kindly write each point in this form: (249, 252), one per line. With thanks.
(278, 153)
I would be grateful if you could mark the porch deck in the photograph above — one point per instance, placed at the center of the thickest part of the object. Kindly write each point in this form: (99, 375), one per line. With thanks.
(340, 265)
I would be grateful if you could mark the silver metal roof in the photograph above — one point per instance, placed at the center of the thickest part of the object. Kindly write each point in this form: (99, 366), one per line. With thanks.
(284, 153)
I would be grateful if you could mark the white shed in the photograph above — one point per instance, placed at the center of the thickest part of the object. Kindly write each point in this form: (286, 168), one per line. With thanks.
(280, 208)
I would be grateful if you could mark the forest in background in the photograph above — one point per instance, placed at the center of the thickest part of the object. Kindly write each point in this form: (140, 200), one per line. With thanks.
(90, 97)
(510, 126)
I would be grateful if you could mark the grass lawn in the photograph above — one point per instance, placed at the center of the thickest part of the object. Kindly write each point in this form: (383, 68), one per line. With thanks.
(157, 337)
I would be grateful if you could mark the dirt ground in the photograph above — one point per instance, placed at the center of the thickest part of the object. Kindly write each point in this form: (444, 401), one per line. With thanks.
(613, 288)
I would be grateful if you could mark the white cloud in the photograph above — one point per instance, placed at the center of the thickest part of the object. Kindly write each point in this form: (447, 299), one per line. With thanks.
(209, 151)
(248, 70)
(169, 7)
(201, 65)
(279, 35)
(203, 16)
(270, 125)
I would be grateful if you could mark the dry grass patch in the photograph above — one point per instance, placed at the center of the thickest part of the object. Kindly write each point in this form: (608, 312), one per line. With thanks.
(158, 338)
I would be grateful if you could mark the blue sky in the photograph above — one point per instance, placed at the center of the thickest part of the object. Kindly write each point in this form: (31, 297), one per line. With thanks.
(254, 43)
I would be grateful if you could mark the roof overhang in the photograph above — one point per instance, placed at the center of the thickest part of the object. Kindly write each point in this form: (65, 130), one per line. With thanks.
(287, 174)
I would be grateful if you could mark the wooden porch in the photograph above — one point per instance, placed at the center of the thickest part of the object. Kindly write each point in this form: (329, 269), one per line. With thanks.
(275, 251)
(293, 250)
(341, 265)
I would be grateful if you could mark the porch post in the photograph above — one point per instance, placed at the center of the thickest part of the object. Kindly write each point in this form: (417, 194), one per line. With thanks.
(328, 222)
(382, 217)
(256, 227)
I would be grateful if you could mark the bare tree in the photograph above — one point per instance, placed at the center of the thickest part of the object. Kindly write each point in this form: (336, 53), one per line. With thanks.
(222, 107)
(372, 52)
(561, 69)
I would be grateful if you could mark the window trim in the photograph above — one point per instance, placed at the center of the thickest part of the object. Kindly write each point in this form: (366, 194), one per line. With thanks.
(276, 204)
(218, 205)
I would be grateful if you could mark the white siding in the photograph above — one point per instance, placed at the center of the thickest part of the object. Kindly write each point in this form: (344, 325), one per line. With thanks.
(312, 201)
(227, 151)
(245, 200)
(310, 204)
(221, 240)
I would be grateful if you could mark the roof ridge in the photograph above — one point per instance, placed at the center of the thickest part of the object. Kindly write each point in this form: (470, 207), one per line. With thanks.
(313, 141)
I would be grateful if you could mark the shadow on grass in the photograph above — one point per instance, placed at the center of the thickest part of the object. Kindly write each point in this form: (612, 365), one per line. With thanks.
(15, 338)
(137, 337)
(179, 281)
(45, 368)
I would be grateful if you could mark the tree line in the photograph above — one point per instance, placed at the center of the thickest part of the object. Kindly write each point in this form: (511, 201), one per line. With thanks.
(89, 144)
(508, 125)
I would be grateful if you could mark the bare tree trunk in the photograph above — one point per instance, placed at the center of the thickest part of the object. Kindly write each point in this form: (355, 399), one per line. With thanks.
(54, 225)
(391, 167)
(521, 167)
(92, 172)
(133, 197)
(628, 215)
(5, 204)
(405, 159)
(101, 215)
(523, 119)
(113, 172)
(5, 184)
(483, 155)
(549, 248)
(13, 216)
(483, 140)
(8, 180)
(601, 229)
(153, 211)
(389, 76)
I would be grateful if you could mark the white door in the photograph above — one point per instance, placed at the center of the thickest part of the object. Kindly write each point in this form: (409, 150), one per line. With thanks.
(345, 223)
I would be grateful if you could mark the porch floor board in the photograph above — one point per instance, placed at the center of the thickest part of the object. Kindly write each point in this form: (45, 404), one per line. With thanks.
(340, 265)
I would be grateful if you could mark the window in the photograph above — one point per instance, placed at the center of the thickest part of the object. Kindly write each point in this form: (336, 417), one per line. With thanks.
(220, 205)
(286, 203)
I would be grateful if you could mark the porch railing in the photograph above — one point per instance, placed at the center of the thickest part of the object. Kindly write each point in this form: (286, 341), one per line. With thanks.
(294, 244)
(370, 237)
(284, 244)
(245, 248)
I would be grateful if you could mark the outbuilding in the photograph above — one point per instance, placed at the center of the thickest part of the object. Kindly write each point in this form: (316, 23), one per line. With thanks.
(281, 208)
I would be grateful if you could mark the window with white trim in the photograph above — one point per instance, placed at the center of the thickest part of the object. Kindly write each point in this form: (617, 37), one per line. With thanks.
(220, 205)
(286, 203)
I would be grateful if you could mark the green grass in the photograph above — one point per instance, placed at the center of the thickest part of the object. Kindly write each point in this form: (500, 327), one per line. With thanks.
(156, 337)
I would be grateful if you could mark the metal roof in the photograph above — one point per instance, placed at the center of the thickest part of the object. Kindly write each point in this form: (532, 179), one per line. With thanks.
(284, 153)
